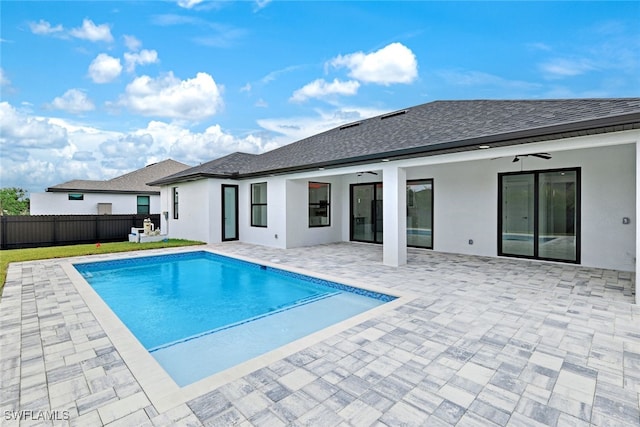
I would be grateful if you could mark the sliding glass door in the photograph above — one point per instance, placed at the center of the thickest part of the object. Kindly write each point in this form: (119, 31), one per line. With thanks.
(558, 215)
(366, 212)
(517, 214)
(540, 214)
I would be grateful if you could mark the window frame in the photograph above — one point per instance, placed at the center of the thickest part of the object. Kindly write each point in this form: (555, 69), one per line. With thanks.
(536, 201)
(148, 205)
(176, 201)
(319, 205)
(416, 182)
(255, 204)
(75, 197)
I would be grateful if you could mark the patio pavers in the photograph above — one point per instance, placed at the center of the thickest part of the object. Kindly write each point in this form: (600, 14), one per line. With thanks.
(487, 341)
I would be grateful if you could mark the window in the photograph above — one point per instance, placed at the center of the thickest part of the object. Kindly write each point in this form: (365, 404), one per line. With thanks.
(540, 214)
(143, 205)
(76, 196)
(319, 204)
(175, 202)
(259, 205)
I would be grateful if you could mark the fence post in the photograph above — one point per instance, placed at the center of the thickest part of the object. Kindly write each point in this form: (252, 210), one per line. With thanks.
(55, 230)
(3, 230)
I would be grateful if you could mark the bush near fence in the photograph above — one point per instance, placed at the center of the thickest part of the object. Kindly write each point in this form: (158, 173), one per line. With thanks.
(31, 231)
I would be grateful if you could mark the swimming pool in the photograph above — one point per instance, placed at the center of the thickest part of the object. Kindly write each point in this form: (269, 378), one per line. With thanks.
(199, 313)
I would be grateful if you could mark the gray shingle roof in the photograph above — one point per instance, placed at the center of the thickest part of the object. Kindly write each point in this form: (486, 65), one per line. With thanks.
(228, 166)
(435, 127)
(132, 182)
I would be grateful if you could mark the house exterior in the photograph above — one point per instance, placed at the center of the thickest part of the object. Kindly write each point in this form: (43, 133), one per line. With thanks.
(551, 180)
(125, 194)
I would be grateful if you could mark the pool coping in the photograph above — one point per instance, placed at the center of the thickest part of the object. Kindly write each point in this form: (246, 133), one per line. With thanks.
(156, 383)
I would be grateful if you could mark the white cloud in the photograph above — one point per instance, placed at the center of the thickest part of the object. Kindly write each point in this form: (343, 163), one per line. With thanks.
(320, 88)
(140, 58)
(246, 88)
(292, 129)
(558, 68)
(261, 4)
(276, 74)
(41, 152)
(192, 147)
(394, 63)
(83, 156)
(167, 96)
(92, 32)
(88, 31)
(29, 174)
(188, 4)
(20, 132)
(104, 68)
(44, 28)
(132, 43)
(126, 152)
(221, 36)
(4, 80)
(73, 101)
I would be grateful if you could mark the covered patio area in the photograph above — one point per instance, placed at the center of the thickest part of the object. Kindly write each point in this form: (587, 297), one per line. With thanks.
(486, 341)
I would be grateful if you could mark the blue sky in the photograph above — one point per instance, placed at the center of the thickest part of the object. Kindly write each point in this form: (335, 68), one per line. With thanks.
(92, 90)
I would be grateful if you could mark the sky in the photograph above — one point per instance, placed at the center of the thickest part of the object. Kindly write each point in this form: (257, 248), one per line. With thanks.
(92, 90)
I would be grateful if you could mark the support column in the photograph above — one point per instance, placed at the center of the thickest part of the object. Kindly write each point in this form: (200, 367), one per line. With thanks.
(394, 202)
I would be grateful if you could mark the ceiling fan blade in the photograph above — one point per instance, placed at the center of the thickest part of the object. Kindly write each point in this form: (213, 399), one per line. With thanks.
(545, 156)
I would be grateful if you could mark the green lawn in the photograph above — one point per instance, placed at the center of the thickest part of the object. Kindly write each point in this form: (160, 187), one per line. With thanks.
(32, 254)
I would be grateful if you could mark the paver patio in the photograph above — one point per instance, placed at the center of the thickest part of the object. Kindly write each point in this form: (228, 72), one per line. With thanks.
(486, 342)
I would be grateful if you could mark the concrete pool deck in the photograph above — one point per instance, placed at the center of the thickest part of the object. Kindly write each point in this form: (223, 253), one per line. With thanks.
(485, 341)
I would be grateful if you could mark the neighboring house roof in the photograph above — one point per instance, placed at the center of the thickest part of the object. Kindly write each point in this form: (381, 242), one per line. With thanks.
(433, 128)
(132, 182)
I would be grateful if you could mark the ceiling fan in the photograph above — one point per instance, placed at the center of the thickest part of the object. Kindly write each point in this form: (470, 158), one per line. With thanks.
(545, 156)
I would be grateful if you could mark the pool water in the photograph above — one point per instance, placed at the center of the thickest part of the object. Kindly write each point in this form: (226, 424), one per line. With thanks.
(199, 313)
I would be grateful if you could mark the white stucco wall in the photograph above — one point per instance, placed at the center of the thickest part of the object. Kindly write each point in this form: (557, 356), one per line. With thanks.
(54, 203)
(276, 214)
(194, 222)
(298, 231)
(608, 189)
(465, 206)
